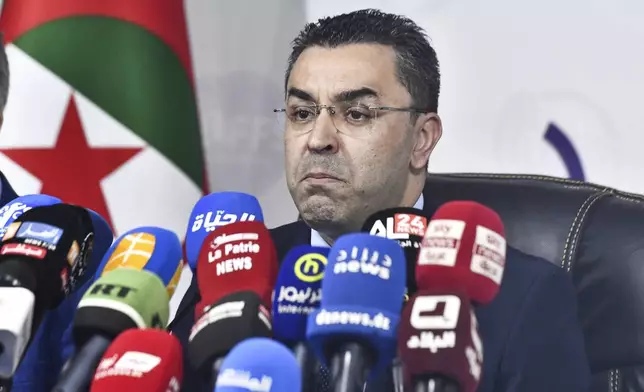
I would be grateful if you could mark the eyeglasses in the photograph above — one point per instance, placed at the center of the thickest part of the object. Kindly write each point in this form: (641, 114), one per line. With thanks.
(349, 119)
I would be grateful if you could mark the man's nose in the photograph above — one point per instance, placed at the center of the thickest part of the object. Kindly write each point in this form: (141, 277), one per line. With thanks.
(323, 138)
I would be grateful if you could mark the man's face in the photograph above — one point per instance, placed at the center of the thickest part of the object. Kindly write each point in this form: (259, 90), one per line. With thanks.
(343, 167)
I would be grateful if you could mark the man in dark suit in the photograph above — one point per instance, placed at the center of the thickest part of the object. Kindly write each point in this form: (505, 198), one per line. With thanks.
(360, 124)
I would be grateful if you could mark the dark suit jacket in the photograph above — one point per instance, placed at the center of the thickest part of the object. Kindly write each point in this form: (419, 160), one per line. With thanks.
(532, 340)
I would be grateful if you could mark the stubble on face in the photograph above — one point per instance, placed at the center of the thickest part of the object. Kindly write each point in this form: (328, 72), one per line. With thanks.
(371, 171)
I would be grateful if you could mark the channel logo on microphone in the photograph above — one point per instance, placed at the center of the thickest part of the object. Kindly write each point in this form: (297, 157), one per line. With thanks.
(233, 252)
(362, 260)
(309, 268)
(133, 250)
(441, 243)
(130, 364)
(211, 221)
(400, 226)
(488, 257)
(236, 378)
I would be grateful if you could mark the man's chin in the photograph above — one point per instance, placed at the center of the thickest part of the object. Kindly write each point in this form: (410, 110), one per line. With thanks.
(319, 209)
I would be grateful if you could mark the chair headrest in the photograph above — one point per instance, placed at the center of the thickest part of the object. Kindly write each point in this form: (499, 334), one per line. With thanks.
(594, 232)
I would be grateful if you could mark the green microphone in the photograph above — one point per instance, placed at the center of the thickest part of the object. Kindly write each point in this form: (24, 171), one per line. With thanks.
(122, 299)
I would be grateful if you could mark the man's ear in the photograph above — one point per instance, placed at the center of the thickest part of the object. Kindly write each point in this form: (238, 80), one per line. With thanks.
(428, 132)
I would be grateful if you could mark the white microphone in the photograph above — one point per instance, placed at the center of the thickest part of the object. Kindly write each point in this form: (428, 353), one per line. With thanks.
(16, 318)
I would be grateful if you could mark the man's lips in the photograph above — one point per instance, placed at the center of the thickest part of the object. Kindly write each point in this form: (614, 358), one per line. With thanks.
(321, 176)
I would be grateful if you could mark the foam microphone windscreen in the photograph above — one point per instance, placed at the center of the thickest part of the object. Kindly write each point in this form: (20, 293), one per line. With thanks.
(232, 319)
(361, 291)
(147, 360)
(438, 336)
(240, 256)
(216, 210)
(12, 210)
(259, 364)
(51, 244)
(121, 299)
(147, 248)
(298, 291)
(407, 226)
(464, 245)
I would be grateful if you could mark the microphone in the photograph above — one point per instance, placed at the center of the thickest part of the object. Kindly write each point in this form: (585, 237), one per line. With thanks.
(216, 210)
(140, 360)
(103, 234)
(439, 344)
(147, 248)
(232, 319)
(122, 299)
(240, 256)
(407, 226)
(259, 365)
(43, 254)
(462, 259)
(235, 273)
(356, 324)
(464, 246)
(11, 211)
(298, 291)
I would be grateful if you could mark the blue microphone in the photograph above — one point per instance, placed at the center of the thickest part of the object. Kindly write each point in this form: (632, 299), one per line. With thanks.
(259, 364)
(147, 248)
(216, 210)
(355, 328)
(297, 294)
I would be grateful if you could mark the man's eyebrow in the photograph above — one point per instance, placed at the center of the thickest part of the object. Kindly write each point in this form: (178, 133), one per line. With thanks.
(301, 94)
(352, 95)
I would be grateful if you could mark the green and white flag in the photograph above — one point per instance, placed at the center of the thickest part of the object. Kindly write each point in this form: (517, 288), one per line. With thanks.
(102, 110)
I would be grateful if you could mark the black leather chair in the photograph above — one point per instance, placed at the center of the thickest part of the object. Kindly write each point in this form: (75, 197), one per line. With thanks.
(596, 234)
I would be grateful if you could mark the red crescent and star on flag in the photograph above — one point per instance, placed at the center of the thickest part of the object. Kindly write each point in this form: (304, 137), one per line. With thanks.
(72, 170)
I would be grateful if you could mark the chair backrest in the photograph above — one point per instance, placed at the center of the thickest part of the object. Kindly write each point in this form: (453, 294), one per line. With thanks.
(595, 233)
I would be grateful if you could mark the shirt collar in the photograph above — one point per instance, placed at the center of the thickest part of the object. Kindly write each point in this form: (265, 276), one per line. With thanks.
(317, 240)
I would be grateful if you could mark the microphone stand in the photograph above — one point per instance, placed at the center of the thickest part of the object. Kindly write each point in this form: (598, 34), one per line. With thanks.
(349, 368)
(6, 384)
(397, 375)
(436, 384)
(215, 371)
(307, 364)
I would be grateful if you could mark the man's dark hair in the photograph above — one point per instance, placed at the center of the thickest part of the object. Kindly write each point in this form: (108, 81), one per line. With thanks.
(4, 74)
(417, 64)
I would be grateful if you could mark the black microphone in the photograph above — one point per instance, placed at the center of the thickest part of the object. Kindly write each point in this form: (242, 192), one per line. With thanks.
(407, 226)
(232, 319)
(43, 256)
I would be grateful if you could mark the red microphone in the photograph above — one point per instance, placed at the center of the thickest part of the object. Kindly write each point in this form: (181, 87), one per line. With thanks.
(236, 272)
(464, 246)
(461, 260)
(439, 343)
(140, 360)
(240, 256)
